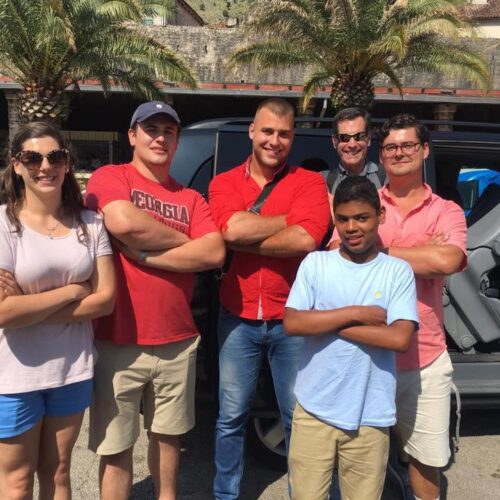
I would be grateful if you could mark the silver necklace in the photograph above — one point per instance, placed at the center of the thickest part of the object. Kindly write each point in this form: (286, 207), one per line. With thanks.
(52, 229)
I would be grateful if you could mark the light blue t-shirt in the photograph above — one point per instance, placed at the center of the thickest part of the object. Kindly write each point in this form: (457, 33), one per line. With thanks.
(342, 382)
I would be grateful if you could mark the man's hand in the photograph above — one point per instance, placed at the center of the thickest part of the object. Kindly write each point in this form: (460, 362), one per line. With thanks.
(438, 238)
(129, 252)
(334, 244)
(371, 316)
(9, 284)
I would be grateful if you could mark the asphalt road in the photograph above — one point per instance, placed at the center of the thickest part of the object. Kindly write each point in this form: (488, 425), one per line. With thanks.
(473, 474)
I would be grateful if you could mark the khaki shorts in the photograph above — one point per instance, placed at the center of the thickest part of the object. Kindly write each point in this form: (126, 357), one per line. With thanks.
(423, 412)
(315, 447)
(162, 376)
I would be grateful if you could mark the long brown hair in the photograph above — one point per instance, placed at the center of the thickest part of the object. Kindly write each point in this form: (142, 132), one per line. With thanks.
(12, 185)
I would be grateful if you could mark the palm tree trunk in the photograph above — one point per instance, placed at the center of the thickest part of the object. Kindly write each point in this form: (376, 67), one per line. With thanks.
(40, 103)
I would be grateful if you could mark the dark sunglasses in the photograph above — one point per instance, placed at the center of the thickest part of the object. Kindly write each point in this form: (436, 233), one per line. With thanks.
(358, 136)
(34, 159)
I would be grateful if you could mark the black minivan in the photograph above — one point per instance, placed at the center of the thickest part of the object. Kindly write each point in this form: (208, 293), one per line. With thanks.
(471, 299)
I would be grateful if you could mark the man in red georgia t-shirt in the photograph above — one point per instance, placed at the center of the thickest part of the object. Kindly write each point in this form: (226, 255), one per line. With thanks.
(163, 234)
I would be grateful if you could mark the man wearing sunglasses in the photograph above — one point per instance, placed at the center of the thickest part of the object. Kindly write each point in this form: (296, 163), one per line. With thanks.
(430, 234)
(163, 234)
(351, 139)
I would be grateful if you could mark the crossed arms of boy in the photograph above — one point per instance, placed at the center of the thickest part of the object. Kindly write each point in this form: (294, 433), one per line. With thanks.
(364, 324)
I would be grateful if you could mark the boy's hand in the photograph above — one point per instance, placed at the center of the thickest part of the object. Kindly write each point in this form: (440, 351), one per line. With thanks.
(371, 315)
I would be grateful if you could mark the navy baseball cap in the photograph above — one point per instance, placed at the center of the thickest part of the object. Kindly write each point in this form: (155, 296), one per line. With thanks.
(148, 109)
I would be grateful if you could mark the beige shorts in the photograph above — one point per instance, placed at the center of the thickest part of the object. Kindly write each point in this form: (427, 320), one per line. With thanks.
(315, 447)
(162, 376)
(423, 412)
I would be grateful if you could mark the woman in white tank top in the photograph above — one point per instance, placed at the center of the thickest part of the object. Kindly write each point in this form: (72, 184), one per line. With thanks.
(56, 275)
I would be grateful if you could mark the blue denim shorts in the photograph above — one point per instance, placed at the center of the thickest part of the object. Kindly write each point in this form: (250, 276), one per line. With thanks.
(20, 412)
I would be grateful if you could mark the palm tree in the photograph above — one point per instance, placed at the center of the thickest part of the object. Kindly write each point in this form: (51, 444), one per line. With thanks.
(48, 45)
(347, 43)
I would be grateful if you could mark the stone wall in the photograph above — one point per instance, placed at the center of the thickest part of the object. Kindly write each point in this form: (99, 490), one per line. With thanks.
(207, 51)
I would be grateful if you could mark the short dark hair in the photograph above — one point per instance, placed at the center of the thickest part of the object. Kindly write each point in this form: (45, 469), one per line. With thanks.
(357, 188)
(278, 106)
(403, 121)
(351, 114)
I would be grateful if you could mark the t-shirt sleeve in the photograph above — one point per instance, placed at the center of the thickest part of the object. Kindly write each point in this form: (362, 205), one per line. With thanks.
(6, 250)
(202, 221)
(311, 209)
(107, 184)
(403, 296)
(103, 243)
(303, 292)
(224, 198)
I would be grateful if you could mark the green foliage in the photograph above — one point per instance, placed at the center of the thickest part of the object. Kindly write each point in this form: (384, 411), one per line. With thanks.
(212, 10)
(47, 45)
(347, 43)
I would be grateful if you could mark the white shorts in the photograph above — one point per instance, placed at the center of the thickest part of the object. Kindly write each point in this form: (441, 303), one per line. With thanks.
(423, 412)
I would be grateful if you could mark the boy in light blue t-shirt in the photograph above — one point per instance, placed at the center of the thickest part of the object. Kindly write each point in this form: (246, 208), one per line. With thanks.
(355, 307)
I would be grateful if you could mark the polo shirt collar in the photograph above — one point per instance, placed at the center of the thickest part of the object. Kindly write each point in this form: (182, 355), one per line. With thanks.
(384, 193)
(369, 168)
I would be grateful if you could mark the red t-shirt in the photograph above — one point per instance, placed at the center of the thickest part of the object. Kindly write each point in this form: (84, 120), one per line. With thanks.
(257, 286)
(432, 215)
(152, 305)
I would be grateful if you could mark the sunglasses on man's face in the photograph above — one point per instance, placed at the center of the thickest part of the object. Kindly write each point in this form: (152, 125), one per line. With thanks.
(358, 137)
(33, 159)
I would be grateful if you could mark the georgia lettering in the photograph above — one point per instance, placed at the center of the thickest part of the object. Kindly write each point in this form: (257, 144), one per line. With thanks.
(171, 214)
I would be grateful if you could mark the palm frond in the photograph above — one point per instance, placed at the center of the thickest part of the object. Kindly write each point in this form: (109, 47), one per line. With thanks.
(46, 45)
(357, 40)
(311, 83)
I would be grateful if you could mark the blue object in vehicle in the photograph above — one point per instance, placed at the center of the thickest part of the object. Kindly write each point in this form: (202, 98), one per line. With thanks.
(472, 182)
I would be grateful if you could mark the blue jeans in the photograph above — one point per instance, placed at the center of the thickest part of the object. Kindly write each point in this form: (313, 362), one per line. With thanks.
(242, 344)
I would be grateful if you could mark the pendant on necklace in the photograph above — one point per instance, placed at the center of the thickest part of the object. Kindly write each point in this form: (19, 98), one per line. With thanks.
(51, 231)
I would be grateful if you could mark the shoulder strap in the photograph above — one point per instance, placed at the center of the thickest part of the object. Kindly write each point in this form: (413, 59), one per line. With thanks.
(255, 208)
(266, 191)
(381, 174)
(333, 173)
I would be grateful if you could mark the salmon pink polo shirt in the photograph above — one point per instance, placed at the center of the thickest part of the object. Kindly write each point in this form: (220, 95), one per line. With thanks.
(257, 286)
(432, 215)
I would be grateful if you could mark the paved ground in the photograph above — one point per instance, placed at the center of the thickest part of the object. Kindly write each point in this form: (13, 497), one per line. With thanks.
(475, 473)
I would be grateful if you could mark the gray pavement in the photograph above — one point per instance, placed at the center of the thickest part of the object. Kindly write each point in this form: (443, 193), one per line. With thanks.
(474, 473)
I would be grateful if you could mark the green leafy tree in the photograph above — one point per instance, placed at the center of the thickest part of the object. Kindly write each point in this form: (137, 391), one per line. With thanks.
(347, 43)
(48, 45)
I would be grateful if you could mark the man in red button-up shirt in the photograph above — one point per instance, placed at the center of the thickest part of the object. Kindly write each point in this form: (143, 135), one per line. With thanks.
(267, 249)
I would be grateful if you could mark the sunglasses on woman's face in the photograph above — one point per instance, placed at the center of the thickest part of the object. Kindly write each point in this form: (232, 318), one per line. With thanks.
(32, 160)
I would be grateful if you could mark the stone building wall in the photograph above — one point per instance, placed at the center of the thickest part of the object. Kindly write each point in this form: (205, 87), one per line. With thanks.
(207, 51)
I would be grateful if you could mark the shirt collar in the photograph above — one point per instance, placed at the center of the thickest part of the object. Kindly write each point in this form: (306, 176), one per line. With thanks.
(384, 193)
(369, 168)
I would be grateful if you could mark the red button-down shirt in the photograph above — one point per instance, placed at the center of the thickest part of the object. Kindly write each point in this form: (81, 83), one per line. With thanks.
(257, 286)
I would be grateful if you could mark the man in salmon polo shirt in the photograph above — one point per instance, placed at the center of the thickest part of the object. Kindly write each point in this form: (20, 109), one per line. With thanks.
(430, 234)
(163, 234)
(267, 248)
